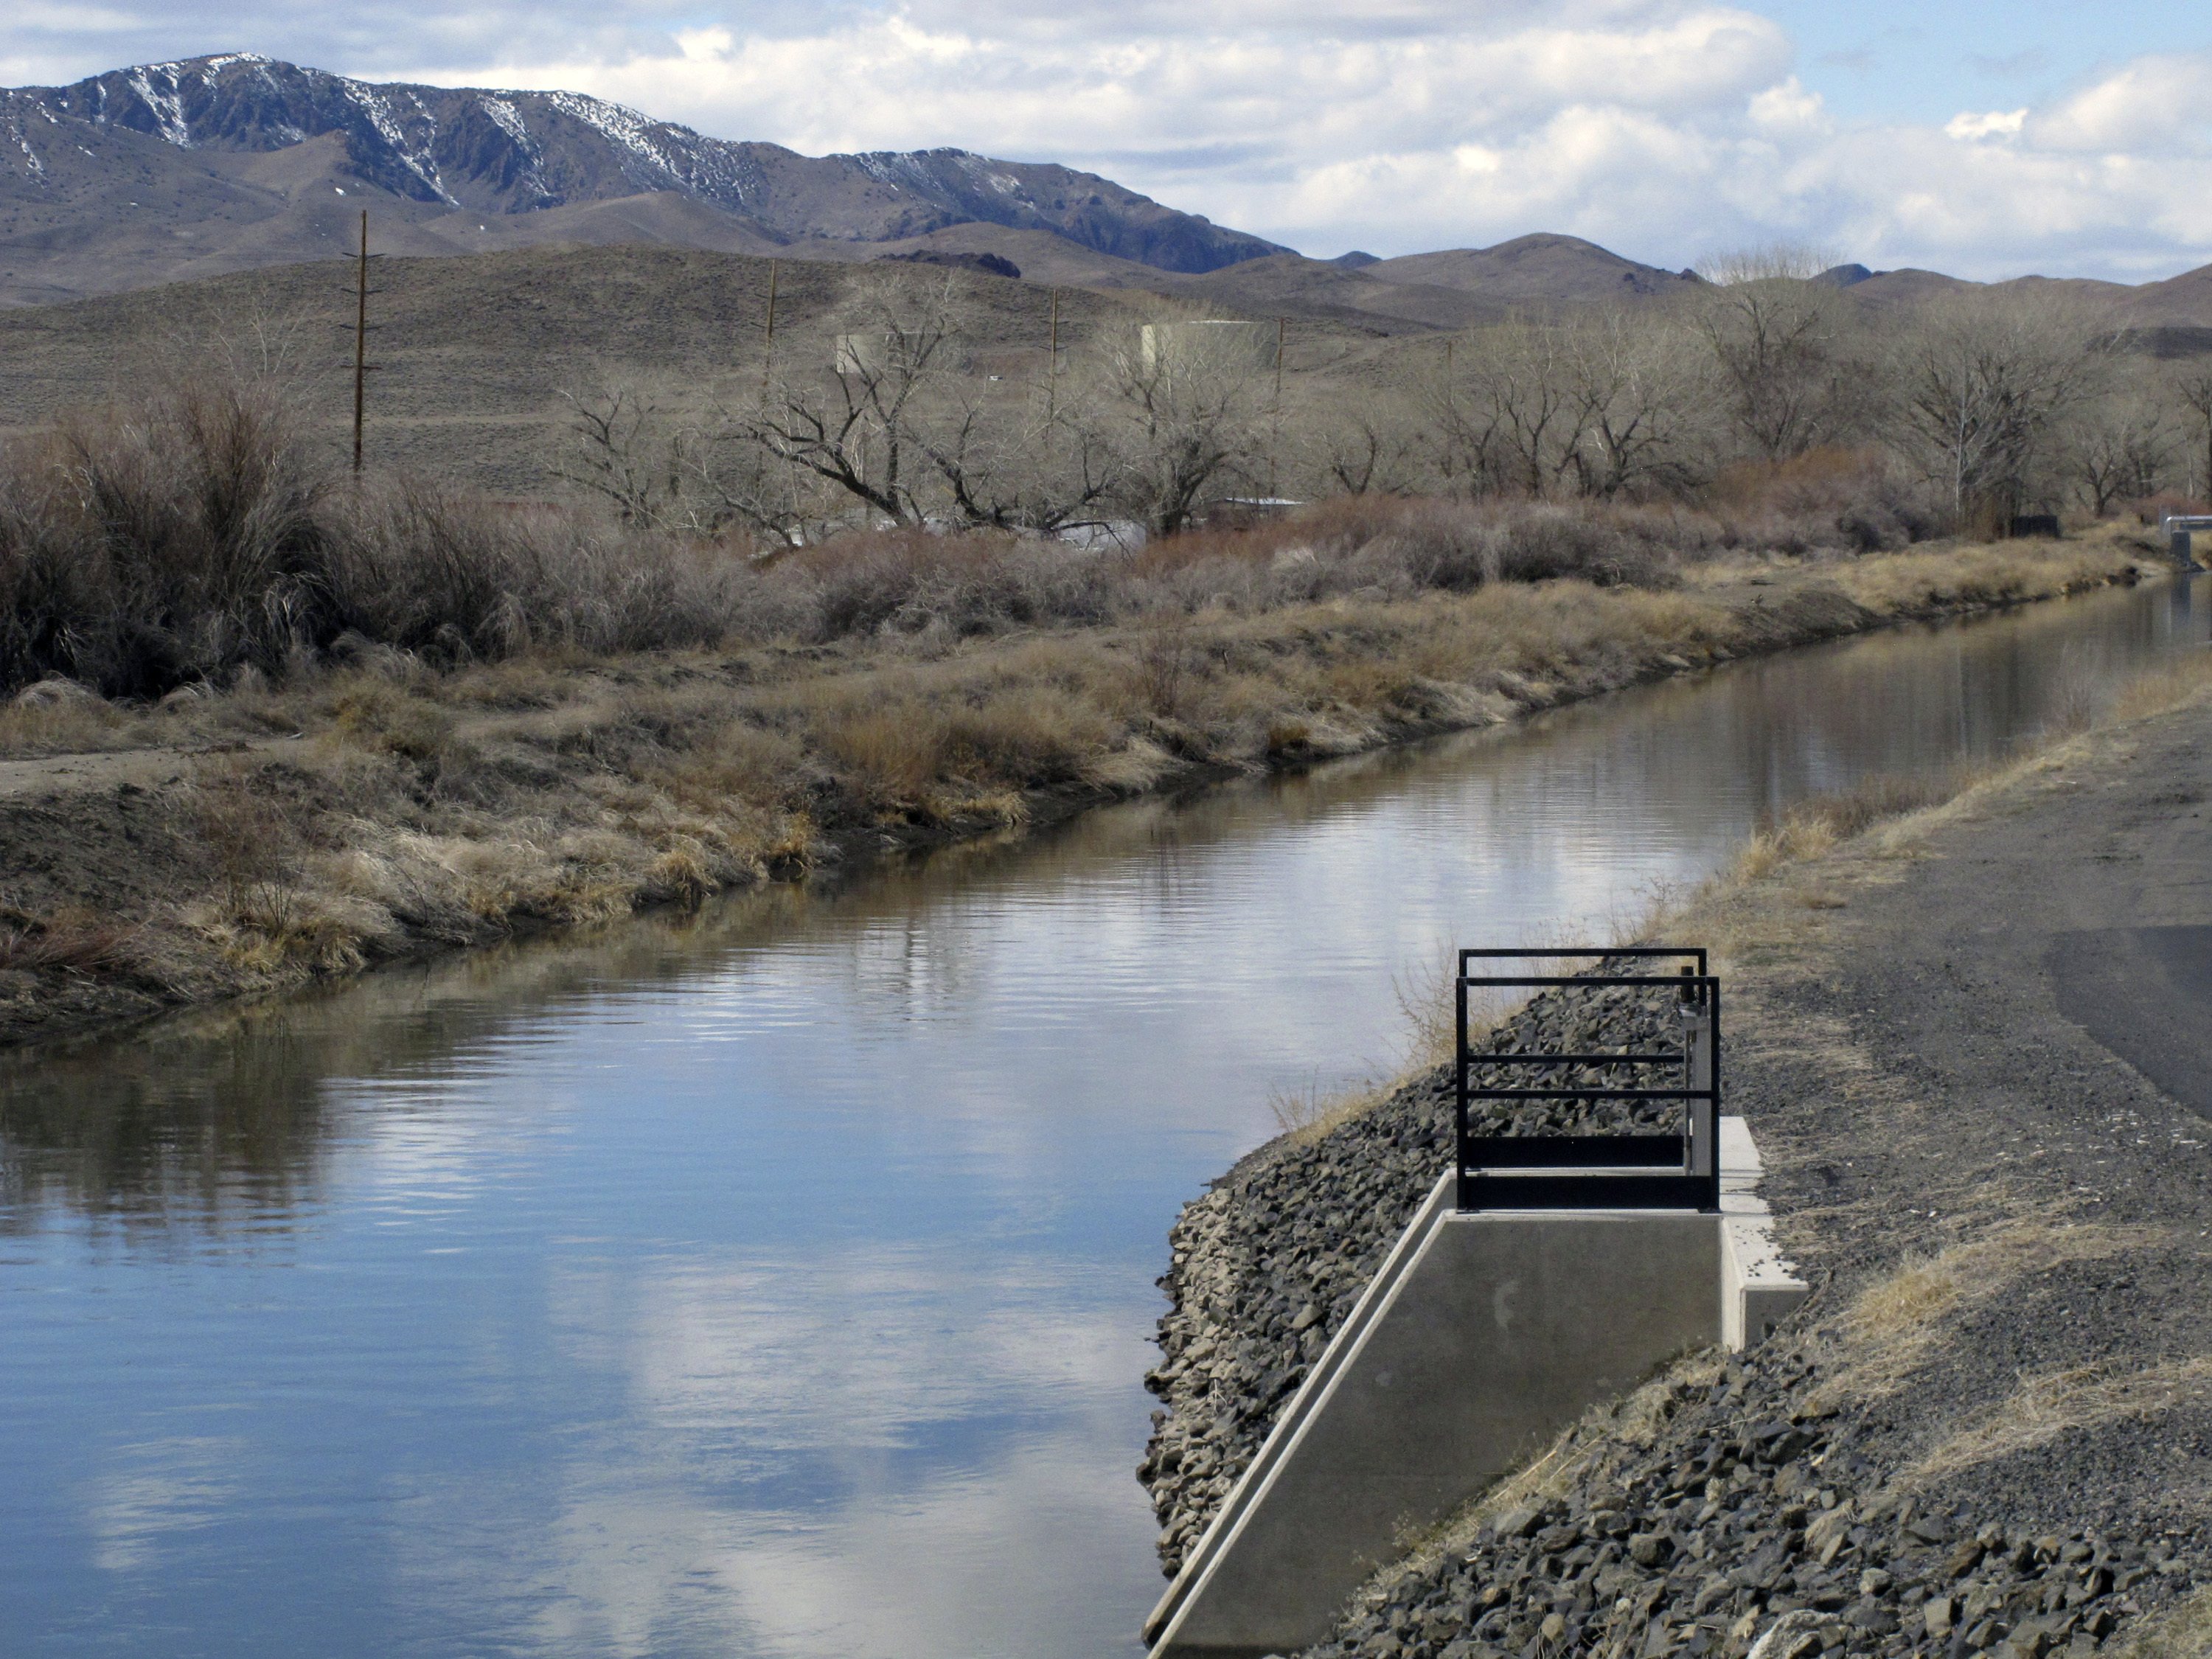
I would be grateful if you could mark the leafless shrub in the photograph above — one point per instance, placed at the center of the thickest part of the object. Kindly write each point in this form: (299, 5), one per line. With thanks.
(151, 549)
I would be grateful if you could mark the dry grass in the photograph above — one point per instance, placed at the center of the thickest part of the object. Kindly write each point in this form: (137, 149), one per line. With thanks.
(2183, 1631)
(2162, 689)
(73, 941)
(1811, 828)
(1306, 1115)
(2000, 573)
(2054, 1403)
(1894, 1323)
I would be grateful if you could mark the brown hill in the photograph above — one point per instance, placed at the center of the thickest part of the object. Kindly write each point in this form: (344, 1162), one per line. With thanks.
(1536, 271)
(2178, 301)
(476, 354)
(1289, 284)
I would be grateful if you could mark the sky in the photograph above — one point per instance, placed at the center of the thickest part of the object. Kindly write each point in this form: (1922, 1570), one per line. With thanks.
(1981, 138)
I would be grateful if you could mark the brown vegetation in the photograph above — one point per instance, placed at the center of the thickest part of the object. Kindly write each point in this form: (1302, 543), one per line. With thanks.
(427, 721)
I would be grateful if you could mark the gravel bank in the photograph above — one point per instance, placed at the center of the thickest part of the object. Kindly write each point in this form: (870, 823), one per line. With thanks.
(1990, 1429)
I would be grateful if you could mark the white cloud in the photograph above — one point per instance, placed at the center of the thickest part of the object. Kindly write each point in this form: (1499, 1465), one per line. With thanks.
(2159, 105)
(867, 1453)
(1788, 108)
(1663, 127)
(1664, 130)
(1990, 124)
(152, 1490)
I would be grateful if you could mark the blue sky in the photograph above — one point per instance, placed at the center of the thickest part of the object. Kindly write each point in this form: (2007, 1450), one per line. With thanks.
(1981, 138)
(1886, 60)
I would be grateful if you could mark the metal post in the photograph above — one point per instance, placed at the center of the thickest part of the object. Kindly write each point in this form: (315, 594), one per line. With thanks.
(1699, 1011)
(1461, 1195)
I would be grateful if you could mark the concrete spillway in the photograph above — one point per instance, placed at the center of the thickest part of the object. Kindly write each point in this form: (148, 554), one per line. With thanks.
(1480, 1339)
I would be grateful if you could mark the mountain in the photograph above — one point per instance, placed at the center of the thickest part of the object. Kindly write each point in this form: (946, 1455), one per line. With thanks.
(1536, 271)
(171, 173)
(183, 169)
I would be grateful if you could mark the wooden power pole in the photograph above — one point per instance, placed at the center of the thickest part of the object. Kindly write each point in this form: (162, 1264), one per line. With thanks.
(768, 349)
(1275, 433)
(360, 343)
(1052, 365)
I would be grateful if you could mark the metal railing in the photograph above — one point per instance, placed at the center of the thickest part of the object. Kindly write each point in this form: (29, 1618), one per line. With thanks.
(1643, 1171)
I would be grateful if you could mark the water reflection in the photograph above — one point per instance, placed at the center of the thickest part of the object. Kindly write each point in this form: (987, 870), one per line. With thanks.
(776, 1281)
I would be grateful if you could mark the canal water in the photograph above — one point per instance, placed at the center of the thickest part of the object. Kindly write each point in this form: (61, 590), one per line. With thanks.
(778, 1281)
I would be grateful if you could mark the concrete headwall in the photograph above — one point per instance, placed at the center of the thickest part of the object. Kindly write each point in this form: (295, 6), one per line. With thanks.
(1480, 1339)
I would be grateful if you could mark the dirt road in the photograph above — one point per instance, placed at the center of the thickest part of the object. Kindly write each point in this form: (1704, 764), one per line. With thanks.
(1998, 1045)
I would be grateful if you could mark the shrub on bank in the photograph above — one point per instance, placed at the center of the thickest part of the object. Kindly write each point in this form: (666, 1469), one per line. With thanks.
(187, 542)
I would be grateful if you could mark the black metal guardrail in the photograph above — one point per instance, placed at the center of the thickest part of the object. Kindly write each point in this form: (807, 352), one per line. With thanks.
(1655, 1172)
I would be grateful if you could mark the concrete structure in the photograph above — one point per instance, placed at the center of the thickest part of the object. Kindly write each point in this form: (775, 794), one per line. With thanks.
(2178, 529)
(1214, 342)
(1481, 1338)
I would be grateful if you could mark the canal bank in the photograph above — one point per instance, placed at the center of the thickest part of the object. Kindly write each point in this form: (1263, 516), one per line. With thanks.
(1992, 1424)
(399, 812)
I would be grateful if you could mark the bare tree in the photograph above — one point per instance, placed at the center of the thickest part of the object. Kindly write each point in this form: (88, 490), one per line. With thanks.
(1191, 420)
(662, 471)
(2192, 389)
(1363, 445)
(1982, 379)
(624, 452)
(1462, 424)
(2119, 447)
(1042, 463)
(1518, 416)
(1632, 383)
(1594, 406)
(855, 427)
(1780, 345)
(1766, 262)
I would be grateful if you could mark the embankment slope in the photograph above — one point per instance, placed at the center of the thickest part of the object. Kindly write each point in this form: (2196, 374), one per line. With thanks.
(1990, 1429)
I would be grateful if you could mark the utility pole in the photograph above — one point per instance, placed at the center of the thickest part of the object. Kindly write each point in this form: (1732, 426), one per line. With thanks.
(767, 354)
(1275, 438)
(360, 343)
(1051, 368)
